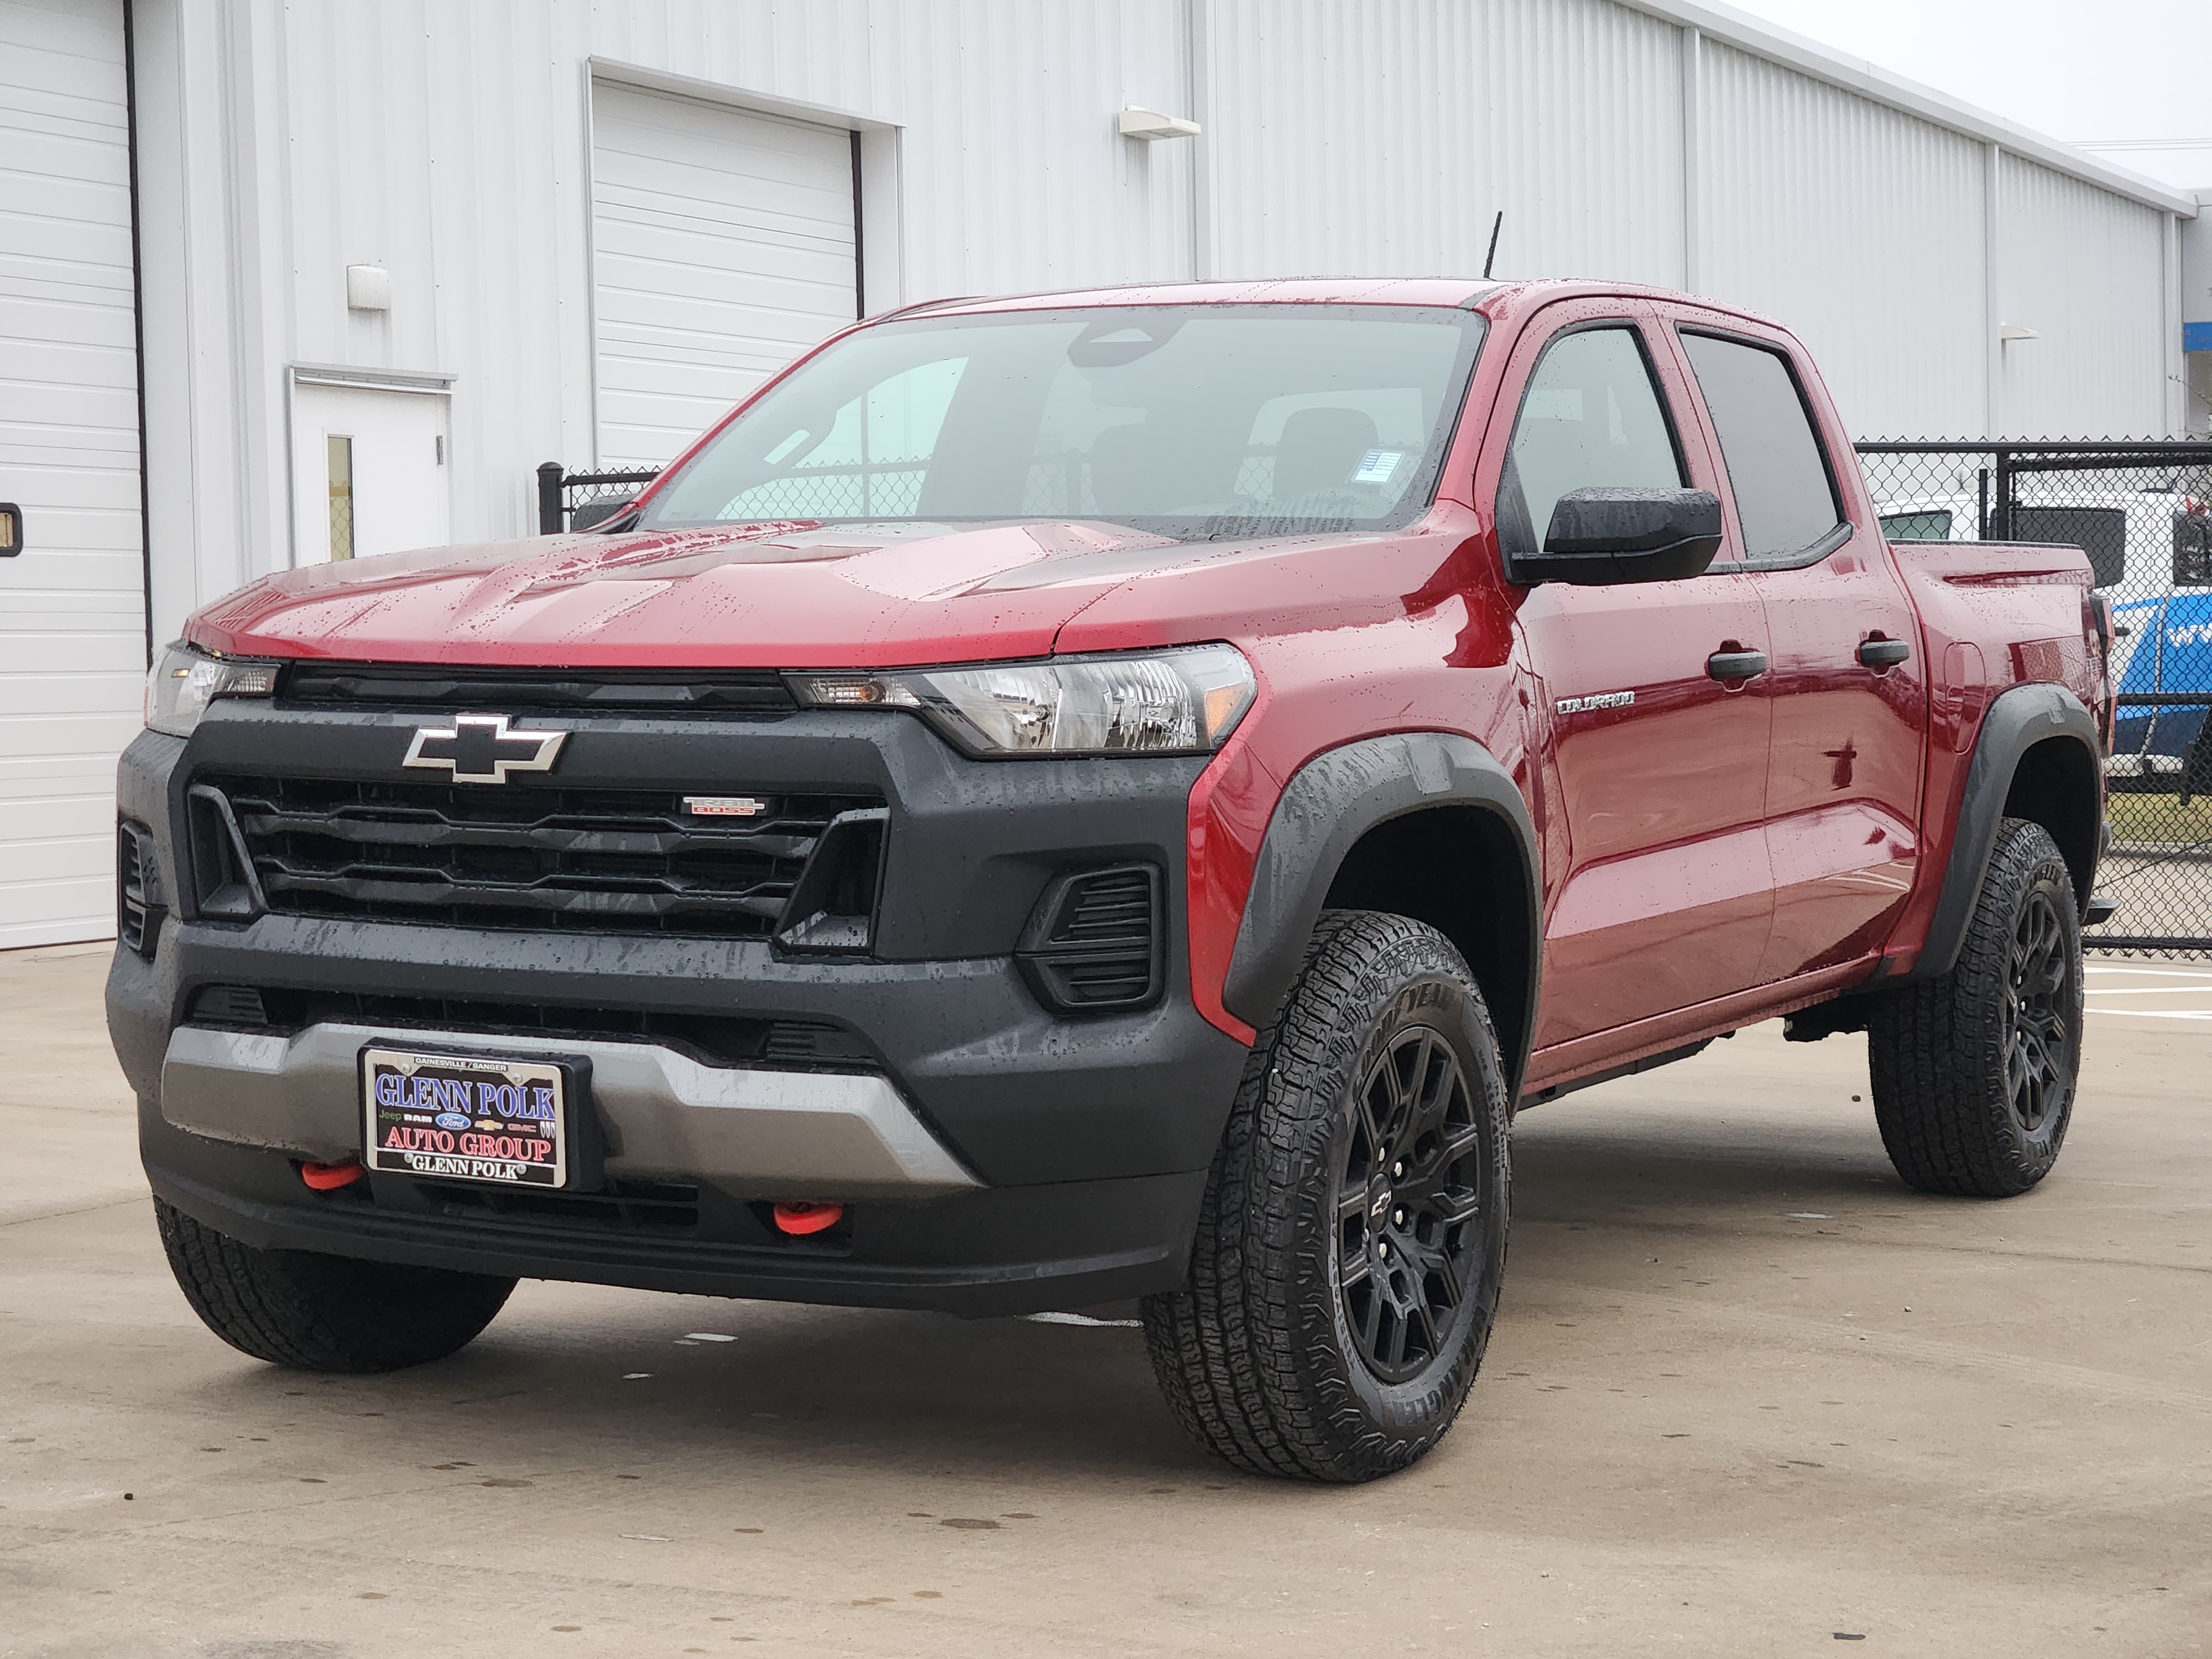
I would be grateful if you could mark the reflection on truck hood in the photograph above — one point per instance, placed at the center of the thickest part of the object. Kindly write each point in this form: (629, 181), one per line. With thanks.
(783, 595)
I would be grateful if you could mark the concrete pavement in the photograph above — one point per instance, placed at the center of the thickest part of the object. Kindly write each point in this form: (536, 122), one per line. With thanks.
(1749, 1395)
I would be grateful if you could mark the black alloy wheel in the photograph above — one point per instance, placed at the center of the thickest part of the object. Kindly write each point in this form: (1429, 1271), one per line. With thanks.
(2039, 999)
(1345, 1275)
(1408, 1193)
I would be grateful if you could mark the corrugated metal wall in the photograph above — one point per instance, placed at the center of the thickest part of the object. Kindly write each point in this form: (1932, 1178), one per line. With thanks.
(1859, 225)
(450, 144)
(2082, 268)
(1381, 139)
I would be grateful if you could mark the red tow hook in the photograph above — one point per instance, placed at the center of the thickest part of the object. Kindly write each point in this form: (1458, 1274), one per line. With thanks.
(803, 1217)
(329, 1177)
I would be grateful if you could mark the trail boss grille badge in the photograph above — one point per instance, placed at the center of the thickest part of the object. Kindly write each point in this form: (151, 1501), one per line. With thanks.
(724, 807)
(479, 749)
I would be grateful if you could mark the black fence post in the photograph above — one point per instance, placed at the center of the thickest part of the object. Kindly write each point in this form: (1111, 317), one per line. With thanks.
(550, 512)
(2003, 531)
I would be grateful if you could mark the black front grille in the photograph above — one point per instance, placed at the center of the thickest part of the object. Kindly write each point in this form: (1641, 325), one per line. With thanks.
(398, 685)
(582, 860)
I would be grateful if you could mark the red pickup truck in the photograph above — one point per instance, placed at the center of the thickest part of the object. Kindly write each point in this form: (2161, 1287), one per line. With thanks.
(1099, 795)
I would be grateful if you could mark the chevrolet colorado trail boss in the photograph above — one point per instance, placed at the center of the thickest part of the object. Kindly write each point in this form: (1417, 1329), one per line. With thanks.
(1100, 795)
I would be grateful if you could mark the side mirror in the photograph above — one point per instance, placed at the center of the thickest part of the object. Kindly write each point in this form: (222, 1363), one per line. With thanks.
(11, 530)
(1611, 534)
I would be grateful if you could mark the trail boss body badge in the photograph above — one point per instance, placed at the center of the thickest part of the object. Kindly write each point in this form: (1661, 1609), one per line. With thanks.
(1596, 700)
(480, 748)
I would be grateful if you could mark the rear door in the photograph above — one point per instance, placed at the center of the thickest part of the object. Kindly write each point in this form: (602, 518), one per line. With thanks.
(1657, 891)
(1847, 688)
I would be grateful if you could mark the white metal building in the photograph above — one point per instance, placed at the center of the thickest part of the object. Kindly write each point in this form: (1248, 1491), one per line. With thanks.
(392, 254)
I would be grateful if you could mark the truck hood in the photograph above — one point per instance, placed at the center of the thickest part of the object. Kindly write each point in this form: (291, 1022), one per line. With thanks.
(755, 596)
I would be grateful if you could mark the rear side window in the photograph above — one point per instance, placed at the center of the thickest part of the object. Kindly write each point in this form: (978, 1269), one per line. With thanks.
(1783, 497)
(1933, 526)
(1591, 417)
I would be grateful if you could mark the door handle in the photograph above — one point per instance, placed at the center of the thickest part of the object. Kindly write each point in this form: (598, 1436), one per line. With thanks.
(1732, 666)
(1883, 653)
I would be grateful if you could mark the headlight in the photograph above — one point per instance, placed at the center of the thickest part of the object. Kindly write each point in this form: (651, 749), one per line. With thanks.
(1166, 703)
(183, 682)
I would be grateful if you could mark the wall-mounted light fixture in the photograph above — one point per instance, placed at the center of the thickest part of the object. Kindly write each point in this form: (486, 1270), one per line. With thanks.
(1151, 126)
(2008, 333)
(368, 288)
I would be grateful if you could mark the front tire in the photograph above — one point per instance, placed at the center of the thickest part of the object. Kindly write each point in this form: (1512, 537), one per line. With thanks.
(324, 1313)
(1350, 1247)
(1974, 1073)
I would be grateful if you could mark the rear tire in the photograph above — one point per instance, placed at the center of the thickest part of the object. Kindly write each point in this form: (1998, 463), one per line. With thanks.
(1974, 1073)
(324, 1313)
(1346, 1270)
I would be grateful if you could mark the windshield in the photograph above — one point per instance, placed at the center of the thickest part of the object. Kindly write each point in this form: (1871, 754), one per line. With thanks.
(1190, 420)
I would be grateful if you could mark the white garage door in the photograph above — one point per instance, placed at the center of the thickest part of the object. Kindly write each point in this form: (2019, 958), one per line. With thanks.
(725, 246)
(72, 640)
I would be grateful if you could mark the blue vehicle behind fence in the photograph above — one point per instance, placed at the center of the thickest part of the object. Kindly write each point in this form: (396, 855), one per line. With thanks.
(2166, 649)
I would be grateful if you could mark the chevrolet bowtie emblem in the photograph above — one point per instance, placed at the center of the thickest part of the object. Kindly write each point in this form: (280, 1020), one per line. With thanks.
(479, 749)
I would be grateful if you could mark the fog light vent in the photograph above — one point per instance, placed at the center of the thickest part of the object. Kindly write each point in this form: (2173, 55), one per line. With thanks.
(1095, 943)
(140, 899)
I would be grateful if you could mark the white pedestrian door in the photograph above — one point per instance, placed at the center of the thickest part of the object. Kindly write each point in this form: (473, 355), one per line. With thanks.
(72, 607)
(368, 472)
(724, 243)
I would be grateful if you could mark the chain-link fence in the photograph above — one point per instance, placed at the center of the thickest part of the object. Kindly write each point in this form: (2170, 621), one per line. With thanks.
(577, 501)
(2143, 512)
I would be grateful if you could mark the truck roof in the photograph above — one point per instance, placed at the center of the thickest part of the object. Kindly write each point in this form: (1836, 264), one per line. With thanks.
(1493, 299)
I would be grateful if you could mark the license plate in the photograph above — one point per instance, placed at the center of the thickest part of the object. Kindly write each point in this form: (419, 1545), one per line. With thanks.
(464, 1117)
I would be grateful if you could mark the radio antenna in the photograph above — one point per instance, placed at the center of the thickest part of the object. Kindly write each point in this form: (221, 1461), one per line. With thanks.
(1490, 257)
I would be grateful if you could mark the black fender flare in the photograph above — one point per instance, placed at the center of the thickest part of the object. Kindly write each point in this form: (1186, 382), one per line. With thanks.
(2018, 719)
(1331, 801)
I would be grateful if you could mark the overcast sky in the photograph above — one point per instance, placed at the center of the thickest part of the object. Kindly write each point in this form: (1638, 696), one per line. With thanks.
(2075, 69)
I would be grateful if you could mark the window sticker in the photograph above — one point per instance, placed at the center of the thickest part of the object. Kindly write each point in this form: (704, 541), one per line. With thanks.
(1377, 465)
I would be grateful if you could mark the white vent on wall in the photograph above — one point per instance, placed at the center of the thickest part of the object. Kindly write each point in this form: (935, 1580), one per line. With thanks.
(368, 288)
(1151, 126)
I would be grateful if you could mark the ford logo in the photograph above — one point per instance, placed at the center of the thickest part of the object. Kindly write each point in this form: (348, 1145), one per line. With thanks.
(452, 1120)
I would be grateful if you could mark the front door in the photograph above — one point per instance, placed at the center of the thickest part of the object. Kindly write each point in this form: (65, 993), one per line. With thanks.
(1657, 894)
(1846, 684)
(369, 471)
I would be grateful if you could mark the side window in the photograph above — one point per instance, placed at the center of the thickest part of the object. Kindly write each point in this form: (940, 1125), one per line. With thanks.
(1591, 415)
(1785, 499)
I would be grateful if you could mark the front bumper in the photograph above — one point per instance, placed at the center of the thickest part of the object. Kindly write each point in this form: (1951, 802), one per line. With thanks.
(996, 1157)
(660, 1112)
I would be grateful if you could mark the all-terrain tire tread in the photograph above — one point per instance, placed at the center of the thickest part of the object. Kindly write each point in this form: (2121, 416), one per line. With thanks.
(1935, 1048)
(1225, 1348)
(318, 1313)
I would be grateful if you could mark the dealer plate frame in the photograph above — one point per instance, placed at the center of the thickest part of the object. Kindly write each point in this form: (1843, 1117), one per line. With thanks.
(570, 1075)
